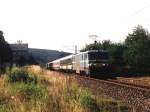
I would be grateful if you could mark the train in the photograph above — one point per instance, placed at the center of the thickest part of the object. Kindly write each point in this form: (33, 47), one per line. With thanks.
(83, 63)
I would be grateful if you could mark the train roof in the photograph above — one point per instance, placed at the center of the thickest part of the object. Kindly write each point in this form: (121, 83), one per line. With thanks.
(63, 58)
(96, 51)
(70, 56)
(91, 51)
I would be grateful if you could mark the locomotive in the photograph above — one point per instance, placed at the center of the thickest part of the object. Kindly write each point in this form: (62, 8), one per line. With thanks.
(84, 63)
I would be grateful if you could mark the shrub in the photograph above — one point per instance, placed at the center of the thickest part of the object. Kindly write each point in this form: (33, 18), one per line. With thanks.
(30, 91)
(86, 99)
(75, 94)
(88, 102)
(20, 75)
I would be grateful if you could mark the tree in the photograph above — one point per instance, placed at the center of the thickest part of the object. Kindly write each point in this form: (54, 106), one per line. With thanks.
(137, 53)
(5, 51)
(106, 44)
(94, 46)
(116, 53)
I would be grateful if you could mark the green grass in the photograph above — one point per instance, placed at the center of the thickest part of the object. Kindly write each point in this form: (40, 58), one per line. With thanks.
(20, 75)
(26, 90)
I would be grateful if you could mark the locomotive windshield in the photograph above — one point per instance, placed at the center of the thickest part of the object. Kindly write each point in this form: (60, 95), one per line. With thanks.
(98, 56)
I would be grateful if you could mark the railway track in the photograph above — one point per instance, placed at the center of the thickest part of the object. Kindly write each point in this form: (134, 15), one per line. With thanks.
(112, 81)
(115, 82)
(135, 95)
(132, 84)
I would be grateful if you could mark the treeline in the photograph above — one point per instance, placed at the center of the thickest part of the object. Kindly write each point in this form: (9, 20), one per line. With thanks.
(5, 53)
(133, 52)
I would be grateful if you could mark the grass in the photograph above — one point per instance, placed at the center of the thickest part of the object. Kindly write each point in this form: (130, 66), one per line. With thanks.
(32, 89)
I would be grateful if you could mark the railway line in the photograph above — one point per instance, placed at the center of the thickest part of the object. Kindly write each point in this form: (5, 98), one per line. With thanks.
(136, 95)
(145, 87)
(115, 82)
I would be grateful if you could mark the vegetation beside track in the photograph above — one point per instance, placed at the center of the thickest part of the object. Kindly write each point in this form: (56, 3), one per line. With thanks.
(32, 89)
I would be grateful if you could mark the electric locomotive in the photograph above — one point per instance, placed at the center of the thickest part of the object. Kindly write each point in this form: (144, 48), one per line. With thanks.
(90, 62)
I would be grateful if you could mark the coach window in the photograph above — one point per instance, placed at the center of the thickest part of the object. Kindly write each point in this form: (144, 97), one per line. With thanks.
(85, 56)
(81, 56)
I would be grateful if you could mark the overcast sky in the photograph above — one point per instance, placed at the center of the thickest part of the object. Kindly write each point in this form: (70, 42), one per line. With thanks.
(61, 24)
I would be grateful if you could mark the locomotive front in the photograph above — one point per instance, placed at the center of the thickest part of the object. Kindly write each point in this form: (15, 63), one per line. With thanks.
(98, 62)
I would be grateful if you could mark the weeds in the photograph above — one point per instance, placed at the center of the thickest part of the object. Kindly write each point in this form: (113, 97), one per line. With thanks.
(25, 90)
(20, 75)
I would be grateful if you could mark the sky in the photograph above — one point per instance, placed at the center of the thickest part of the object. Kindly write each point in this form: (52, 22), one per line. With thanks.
(62, 24)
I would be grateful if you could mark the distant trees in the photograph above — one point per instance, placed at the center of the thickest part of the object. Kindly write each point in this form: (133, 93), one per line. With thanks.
(5, 52)
(133, 52)
(94, 46)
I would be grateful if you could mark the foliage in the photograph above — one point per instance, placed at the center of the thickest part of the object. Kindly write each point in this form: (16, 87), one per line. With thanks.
(138, 48)
(3, 109)
(59, 95)
(27, 92)
(86, 99)
(106, 44)
(20, 75)
(116, 52)
(93, 46)
(5, 52)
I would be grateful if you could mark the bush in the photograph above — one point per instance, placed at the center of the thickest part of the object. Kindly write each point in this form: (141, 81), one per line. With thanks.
(27, 92)
(82, 97)
(20, 75)
(86, 100)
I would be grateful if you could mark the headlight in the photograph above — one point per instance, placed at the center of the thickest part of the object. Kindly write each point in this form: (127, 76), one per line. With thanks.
(89, 64)
(92, 64)
(103, 64)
